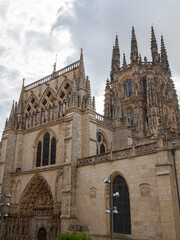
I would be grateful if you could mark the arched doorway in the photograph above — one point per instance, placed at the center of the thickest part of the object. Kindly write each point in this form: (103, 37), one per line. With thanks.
(42, 234)
(122, 220)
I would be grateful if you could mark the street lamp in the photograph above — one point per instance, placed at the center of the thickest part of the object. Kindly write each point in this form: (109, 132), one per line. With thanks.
(3, 214)
(112, 209)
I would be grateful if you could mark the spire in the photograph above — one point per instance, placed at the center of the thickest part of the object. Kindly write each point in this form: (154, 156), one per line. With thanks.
(140, 59)
(74, 98)
(81, 71)
(107, 84)
(20, 102)
(88, 89)
(124, 61)
(115, 63)
(134, 48)
(164, 58)
(154, 47)
(11, 121)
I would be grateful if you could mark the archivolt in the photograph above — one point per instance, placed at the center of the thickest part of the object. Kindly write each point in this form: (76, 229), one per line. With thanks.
(36, 196)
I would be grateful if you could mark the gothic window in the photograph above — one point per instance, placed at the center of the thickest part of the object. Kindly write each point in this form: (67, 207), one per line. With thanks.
(46, 150)
(101, 145)
(53, 150)
(102, 148)
(125, 90)
(131, 117)
(122, 220)
(144, 86)
(128, 88)
(38, 158)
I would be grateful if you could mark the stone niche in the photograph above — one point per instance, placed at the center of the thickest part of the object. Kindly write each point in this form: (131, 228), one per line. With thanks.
(144, 189)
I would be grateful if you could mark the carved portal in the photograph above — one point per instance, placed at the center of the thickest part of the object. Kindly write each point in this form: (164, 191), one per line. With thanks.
(35, 203)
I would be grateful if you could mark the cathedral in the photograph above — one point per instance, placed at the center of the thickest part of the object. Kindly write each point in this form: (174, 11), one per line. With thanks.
(56, 152)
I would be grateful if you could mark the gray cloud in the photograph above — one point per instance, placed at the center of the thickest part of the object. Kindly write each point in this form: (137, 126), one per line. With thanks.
(38, 40)
(93, 27)
(96, 22)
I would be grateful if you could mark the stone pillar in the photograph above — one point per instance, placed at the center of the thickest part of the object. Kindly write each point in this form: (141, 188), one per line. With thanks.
(167, 201)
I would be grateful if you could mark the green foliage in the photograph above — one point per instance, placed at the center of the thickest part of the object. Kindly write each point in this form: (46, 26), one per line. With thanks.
(74, 236)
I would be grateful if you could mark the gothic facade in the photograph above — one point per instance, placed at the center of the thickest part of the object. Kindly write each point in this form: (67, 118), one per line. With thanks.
(56, 151)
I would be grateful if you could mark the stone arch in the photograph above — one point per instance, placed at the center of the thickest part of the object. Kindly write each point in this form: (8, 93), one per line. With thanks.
(42, 234)
(63, 86)
(32, 104)
(122, 220)
(45, 129)
(107, 194)
(47, 98)
(105, 137)
(37, 198)
(39, 137)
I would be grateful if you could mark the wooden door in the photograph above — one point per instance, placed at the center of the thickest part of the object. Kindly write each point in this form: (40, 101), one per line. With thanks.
(42, 234)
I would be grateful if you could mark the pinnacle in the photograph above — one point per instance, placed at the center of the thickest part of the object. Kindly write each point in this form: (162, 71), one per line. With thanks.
(134, 47)
(74, 86)
(116, 42)
(81, 71)
(124, 60)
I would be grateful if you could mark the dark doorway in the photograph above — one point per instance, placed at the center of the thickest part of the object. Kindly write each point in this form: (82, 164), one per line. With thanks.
(42, 234)
(122, 220)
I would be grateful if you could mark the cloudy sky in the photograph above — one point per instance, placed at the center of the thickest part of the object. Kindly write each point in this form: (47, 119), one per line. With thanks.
(33, 32)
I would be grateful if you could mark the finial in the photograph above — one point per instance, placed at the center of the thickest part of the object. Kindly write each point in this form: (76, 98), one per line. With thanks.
(124, 61)
(154, 48)
(164, 58)
(134, 48)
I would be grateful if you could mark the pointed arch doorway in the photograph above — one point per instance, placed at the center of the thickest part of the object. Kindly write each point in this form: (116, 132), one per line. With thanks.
(42, 234)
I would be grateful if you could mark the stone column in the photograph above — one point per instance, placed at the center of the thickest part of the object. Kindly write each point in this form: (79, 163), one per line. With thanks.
(167, 200)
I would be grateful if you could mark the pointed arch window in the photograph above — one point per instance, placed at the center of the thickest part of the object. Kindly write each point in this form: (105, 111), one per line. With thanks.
(122, 220)
(125, 90)
(53, 150)
(38, 157)
(144, 86)
(128, 88)
(131, 117)
(46, 150)
(101, 146)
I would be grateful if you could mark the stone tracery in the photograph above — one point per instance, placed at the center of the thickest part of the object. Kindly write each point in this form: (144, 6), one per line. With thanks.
(36, 201)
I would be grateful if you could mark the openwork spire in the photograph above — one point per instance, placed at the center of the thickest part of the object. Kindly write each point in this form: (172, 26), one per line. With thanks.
(20, 102)
(164, 58)
(115, 63)
(134, 47)
(154, 47)
(81, 71)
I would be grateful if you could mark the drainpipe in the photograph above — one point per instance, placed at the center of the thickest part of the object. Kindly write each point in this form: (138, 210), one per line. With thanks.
(175, 172)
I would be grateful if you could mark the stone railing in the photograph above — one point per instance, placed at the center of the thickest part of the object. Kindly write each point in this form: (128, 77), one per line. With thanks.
(129, 151)
(130, 65)
(146, 147)
(103, 119)
(53, 75)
